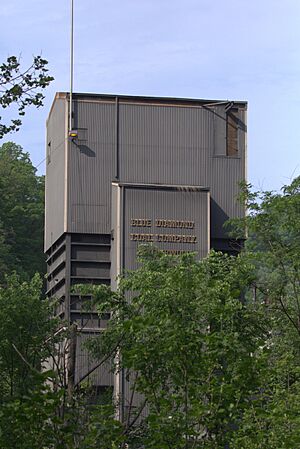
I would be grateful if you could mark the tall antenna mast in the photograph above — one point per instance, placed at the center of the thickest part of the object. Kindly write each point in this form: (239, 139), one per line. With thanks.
(71, 65)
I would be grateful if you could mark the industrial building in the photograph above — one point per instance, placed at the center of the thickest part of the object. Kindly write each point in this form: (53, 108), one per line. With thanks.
(135, 169)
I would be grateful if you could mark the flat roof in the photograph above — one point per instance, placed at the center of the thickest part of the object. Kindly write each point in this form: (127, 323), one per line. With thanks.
(146, 98)
(142, 99)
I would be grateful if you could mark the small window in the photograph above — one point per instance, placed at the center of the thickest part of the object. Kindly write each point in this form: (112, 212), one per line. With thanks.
(232, 125)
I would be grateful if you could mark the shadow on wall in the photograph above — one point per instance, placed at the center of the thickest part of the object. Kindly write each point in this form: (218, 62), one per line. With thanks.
(217, 219)
(86, 150)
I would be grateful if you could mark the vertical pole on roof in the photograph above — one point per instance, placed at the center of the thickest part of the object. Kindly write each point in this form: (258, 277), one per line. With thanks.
(71, 64)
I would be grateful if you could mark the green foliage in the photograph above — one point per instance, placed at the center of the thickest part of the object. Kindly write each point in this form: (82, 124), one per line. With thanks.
(36, 410)
(212, 346)
(21, 214)
(31, 421)
(187, 342)
(103, 431)
(28, 406)
(44, 419)
(26, 335)
(22, 88)
(210, 349)
(273, 247)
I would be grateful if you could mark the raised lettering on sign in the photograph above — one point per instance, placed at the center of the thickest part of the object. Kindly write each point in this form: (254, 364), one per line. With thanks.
(142, 237)
(162, 223)
(166, 238)
(176, 238)
(141, 222)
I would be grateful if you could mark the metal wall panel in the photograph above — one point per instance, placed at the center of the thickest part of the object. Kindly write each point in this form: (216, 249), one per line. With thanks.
(182, 145)
(52, 282)
(226, 173)
(90, 269)
(55, 173)
(132, 140)
(165, 145)
(155, 204)
(155, 144)
(225, 176)
(85, 362)
(61, 257)
(156, 211)
(115, 241)
(133, 401)
(91, 168)
(90, 253)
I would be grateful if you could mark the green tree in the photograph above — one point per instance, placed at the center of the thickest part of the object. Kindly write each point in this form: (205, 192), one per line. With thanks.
(26, 335)
(209, 350)
(31, 421)
(28, 407)
(212, 346)
(273, 247)
(35, 421)
(22, 88)
(187, 343)
(21, 213)
(36, 410)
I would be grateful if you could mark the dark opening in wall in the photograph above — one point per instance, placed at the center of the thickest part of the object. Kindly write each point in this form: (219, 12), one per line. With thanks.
(232, 121)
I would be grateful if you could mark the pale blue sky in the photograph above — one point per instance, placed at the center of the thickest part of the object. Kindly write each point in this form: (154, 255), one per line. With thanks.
(233, 49)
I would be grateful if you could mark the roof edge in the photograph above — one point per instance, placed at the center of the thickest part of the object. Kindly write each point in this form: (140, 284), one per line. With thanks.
(147, 99)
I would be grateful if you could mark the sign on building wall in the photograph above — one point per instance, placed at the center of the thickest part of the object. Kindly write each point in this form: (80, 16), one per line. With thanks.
(175, 219)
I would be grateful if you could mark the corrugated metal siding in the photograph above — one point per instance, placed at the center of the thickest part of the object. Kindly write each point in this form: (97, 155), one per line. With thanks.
(164, 204)
(55, 174)
(115, 210)
(165, 145)
(57, 261)
(56, 279)
(132, 399)
(90, 269)
(59, 293)
(91, 169)
(85, 362)
(174, 145)
(225, 176)
(90, 253)
(156, 144)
